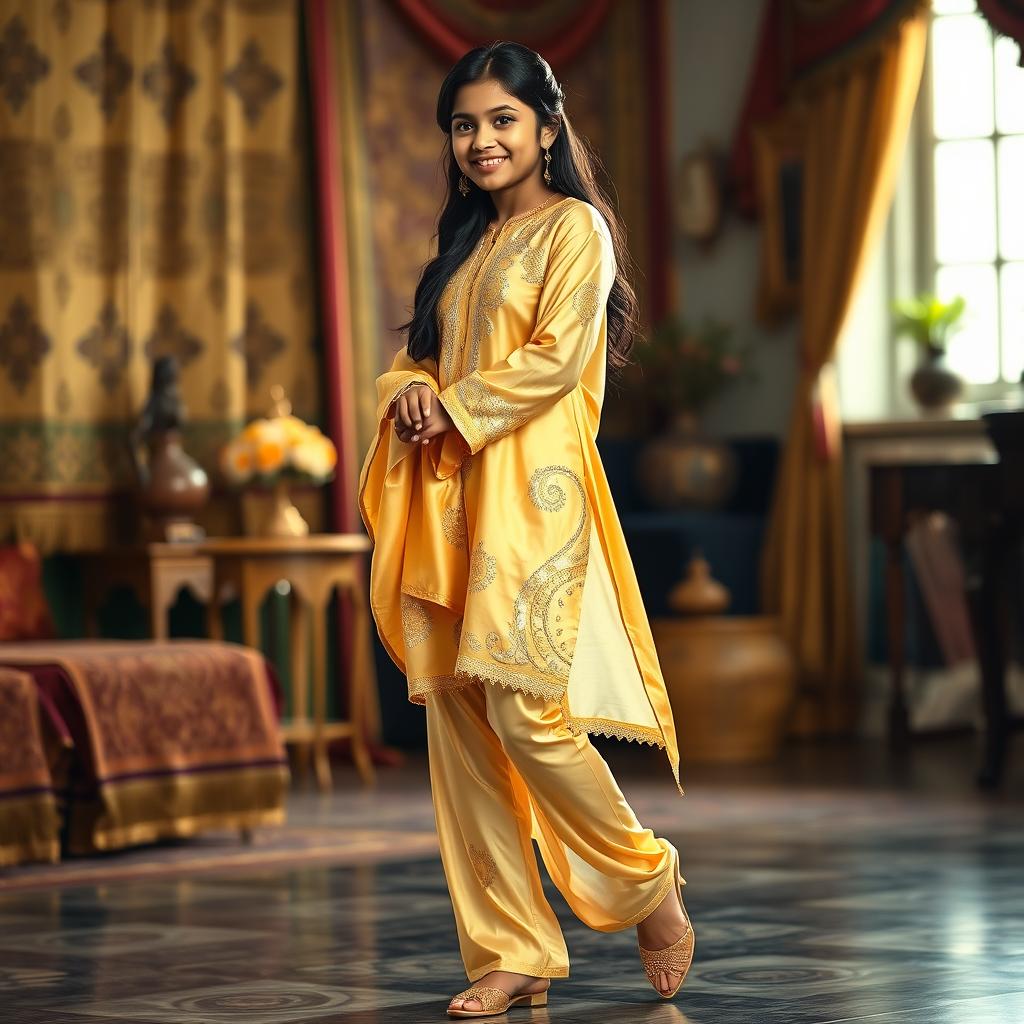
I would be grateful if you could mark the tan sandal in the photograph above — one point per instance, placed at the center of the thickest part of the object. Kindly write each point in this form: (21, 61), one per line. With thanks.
(495, 1000)
(677, 957)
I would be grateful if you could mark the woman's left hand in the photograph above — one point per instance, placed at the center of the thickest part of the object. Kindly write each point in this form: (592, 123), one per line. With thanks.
(437, 422)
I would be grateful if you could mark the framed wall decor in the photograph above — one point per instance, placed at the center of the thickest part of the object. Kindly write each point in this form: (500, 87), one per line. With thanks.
(779, 166)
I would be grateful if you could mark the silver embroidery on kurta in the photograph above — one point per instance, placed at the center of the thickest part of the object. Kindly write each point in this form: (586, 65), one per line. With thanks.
(483, 567)
(417, 622)
(543, 631)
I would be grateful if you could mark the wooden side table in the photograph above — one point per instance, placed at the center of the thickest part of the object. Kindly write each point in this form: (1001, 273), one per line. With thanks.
(155, 572)
(313, 566)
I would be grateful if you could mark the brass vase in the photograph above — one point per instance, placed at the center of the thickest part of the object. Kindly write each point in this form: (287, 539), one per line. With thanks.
(683, 469)
(284, 519)
(172, 488)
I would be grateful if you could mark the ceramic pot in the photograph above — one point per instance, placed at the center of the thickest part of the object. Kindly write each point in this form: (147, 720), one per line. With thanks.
(933, 384)
(731, 683)
(683, 469)
(173, 487)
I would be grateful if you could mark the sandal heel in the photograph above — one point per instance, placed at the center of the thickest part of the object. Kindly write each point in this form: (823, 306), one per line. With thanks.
(539, 999)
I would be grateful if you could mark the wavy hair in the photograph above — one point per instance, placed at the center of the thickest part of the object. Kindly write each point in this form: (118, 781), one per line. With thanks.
(574, 165)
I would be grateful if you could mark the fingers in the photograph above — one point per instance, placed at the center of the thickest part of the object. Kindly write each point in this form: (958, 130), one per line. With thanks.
(420, 399)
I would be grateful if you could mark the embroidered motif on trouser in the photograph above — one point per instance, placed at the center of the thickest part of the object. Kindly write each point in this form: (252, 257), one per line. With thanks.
(504, 769)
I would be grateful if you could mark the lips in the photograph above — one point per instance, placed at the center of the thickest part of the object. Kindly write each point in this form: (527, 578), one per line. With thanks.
(488, 162)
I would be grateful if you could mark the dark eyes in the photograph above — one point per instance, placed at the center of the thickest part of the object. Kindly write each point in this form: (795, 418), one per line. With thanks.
(500, 117)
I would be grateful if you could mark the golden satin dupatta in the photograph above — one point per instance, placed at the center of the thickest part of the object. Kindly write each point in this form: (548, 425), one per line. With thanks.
(498, 554)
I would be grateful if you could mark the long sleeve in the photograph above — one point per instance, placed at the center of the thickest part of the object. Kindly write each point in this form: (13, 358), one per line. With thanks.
(489, 403)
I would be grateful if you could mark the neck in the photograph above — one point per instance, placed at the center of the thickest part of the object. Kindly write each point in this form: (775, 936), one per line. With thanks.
(522, 198)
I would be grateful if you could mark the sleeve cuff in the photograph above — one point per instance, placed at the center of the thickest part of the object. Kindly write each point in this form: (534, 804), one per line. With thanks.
(472, 438)
(405, 387)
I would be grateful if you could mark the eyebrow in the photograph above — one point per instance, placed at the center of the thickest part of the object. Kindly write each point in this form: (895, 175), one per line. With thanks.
(504, 106)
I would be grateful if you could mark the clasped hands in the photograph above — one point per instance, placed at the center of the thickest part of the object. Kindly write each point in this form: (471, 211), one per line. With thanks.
(419, 416)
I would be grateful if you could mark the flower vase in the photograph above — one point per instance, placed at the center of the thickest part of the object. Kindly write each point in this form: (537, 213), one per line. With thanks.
(284, 519)
(933, 384)
(683, 469)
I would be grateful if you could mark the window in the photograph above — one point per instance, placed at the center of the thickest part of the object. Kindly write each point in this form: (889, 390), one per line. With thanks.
(971, 204)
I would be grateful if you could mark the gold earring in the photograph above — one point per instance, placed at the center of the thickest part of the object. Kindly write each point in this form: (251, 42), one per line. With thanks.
(547, 166)
(464, 186)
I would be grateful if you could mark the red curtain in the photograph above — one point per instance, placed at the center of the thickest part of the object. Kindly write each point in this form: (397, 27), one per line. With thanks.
(557, 29)
(1007, 18)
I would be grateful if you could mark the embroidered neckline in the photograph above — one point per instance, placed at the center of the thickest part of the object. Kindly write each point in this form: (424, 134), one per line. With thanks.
(519, 216)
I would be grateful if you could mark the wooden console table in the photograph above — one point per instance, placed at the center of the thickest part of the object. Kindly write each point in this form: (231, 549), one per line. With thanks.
(313, 566)
(156, 573)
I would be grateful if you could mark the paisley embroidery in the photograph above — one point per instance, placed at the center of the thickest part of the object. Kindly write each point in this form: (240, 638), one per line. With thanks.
(417, 623)
(473, 642)
(585, 301)
(482, 568)
(537, 636)
(457, 632)
(483, 864)
(453, 524)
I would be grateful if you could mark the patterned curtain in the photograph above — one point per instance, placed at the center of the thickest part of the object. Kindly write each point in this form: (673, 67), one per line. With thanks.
(154, 201)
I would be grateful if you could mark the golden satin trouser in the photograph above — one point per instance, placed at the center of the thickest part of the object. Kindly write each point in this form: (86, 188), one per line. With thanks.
(504, 769)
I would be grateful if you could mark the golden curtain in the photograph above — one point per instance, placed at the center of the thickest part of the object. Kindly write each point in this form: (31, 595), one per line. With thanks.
(855, 120)
(153, 201)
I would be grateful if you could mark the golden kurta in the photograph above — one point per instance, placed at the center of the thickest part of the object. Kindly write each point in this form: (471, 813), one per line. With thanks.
(498, 554)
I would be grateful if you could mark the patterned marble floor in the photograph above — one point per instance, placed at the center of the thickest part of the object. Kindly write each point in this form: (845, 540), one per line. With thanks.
(834, 885)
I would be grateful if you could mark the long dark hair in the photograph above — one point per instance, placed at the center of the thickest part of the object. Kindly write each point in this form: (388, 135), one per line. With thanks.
(525, 74)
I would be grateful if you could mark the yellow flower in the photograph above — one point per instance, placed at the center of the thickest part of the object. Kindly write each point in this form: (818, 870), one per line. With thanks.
(236, 461)
(269, 455)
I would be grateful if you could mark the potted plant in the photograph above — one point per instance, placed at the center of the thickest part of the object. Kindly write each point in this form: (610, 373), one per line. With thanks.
(930, 322)
(684, 368)
(274, 451)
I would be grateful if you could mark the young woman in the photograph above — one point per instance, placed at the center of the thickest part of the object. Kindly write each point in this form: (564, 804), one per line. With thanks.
(501, 584)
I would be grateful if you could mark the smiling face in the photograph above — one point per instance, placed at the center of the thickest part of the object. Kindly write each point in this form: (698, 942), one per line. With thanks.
(492, 126)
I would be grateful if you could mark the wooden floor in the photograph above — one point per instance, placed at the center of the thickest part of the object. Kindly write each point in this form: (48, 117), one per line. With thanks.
(833, 885)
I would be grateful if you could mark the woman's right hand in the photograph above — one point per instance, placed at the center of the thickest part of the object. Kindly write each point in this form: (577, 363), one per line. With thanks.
(418, 415)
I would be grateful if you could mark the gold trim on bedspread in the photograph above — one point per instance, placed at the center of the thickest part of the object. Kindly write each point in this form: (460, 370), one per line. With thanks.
(29, 822)
(178, 737)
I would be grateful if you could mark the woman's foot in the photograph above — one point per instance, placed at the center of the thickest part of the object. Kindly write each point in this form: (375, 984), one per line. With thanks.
(662, 927)
(510, 983)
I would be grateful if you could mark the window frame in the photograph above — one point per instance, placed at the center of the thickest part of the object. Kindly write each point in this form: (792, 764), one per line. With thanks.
(924, 142)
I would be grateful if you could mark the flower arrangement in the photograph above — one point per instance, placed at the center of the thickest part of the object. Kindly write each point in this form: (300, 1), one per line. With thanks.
(929, 320)
(686, 367)
(283, 446)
